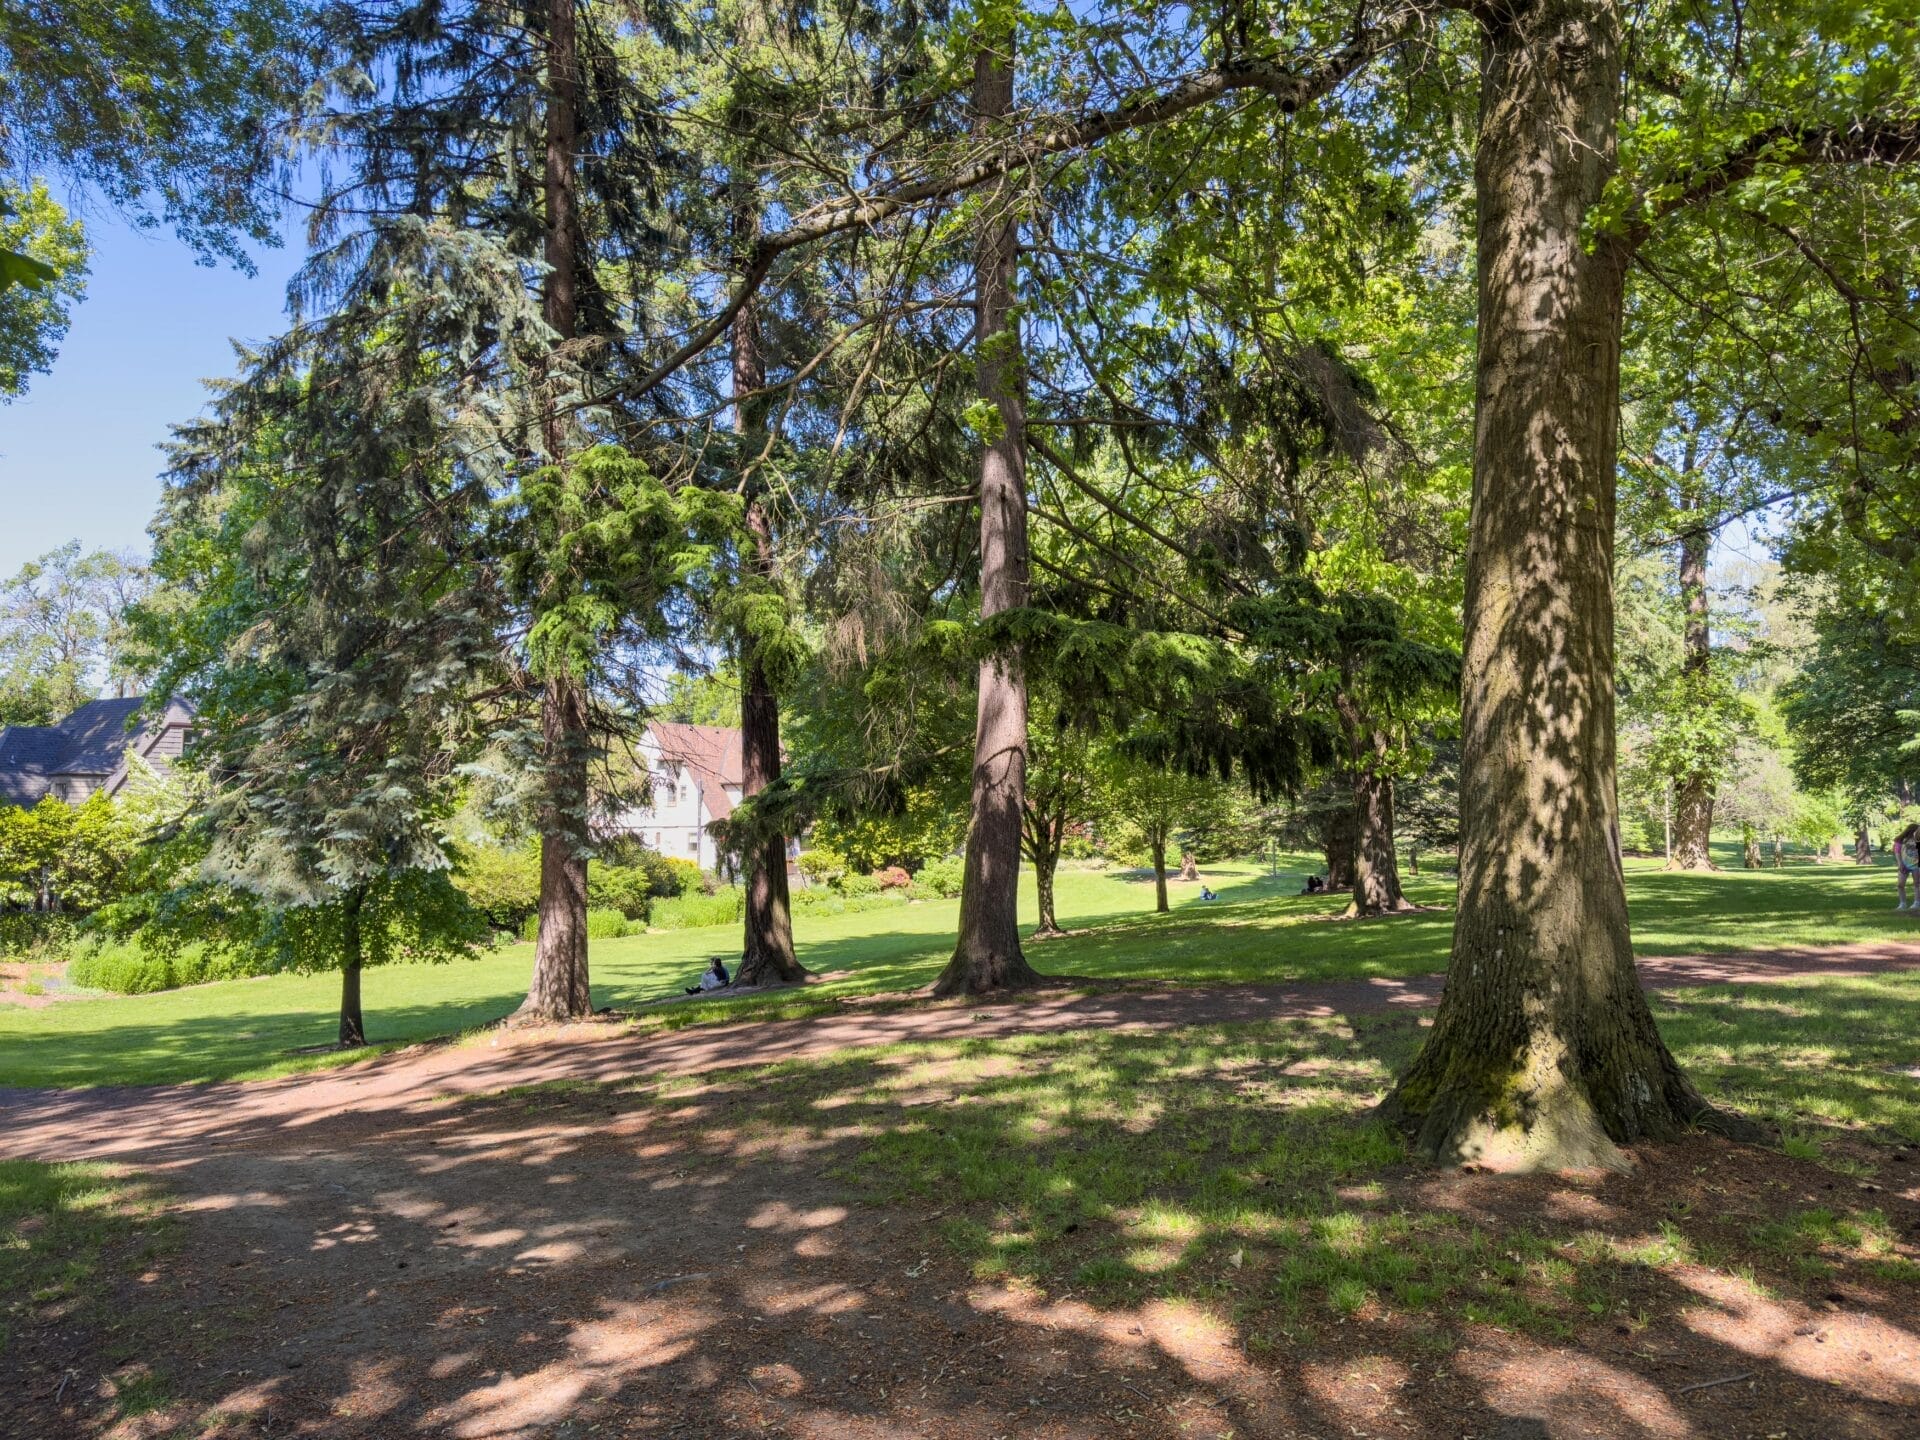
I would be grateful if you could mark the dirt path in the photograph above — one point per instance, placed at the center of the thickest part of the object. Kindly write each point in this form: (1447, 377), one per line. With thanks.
(162, 1121)
(355, 1258)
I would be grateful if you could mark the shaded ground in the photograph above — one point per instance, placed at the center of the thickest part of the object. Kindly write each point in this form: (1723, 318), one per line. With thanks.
(1109, 1215)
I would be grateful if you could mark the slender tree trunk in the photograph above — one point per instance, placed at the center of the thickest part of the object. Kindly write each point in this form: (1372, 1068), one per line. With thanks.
(987, 955)
(1862, 846)
(1750, 850)
(1776, 853)
(559, 989)
(1044, 850)
(1160, 875)
(1693, 794)
(1544, 1052)
(353, 1025)
(767, 956)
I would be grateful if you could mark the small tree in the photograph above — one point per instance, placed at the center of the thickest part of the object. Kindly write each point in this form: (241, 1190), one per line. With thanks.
(1144, 810)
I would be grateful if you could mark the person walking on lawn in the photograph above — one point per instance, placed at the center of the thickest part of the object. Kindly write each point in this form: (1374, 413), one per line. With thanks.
(1906, 855)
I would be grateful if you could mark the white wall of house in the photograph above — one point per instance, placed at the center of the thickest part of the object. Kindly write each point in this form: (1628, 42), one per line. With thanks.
(675, 824)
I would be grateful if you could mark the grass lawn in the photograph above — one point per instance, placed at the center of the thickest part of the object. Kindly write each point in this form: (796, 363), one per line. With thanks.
(1260, 930)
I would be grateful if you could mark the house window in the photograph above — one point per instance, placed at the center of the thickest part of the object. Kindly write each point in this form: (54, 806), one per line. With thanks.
(693, 841)
(673, 793)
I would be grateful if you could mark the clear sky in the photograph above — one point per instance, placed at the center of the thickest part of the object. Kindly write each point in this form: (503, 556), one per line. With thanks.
(77, 456)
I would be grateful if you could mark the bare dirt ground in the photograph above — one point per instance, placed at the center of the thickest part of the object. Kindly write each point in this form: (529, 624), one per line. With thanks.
(401, 1250)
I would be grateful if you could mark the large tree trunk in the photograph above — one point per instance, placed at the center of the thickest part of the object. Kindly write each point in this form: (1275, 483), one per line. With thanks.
(1376, 872)
(987, 955)
(1339, 840)
(767, 956)
(1693, 794)
(1836, 849)
(1160, 875)
(559, 989)
(1544, 1052)
(353, 1025)
(1862, 846)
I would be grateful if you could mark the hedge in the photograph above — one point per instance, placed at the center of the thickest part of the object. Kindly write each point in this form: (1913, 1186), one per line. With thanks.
(126, 969)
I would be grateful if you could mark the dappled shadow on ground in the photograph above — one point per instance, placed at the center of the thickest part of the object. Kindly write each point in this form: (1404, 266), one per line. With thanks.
(1183, 1231)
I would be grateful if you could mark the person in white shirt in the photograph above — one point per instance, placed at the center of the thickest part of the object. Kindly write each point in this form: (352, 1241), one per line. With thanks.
(714, 977)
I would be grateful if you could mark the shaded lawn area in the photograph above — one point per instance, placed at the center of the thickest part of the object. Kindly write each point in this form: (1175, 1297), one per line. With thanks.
(1198, 1231)
(1261, 930)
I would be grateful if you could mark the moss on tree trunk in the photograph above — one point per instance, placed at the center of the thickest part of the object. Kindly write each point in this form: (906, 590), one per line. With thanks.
(1544, 1052)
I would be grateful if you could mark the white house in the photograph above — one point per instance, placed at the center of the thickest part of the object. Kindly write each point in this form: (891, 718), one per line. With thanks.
(695, 775)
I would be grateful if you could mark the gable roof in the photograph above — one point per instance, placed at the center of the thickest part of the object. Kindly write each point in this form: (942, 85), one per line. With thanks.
(28, 756)
(710, 753)
(93, 742)
(99, 736)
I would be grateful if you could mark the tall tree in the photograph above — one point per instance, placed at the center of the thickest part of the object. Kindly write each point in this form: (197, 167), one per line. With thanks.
(987, 954)
(65, 632)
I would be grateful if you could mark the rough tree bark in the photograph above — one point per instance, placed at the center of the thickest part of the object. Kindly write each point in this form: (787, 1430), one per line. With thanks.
(353, 1025)
(987, 955)
(1159, 843)
(1189, 867)
(1376, 871)
(1339, 840)
(559, 989)
(1862, 846)
(1044, 834)
(767, 955)
(1693, 794)
(1544, 1052)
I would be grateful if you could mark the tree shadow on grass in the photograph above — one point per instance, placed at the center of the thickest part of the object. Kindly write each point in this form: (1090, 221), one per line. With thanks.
(1091, 1234)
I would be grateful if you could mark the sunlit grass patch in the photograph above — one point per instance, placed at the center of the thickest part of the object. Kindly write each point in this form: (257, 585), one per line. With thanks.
(65, 1230)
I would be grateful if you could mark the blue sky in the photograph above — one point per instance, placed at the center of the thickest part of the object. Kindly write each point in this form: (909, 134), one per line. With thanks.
(77, 456)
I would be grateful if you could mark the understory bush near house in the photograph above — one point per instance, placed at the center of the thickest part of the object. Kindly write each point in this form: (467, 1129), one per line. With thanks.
(691, 912)
(126, 969)
(941, 877)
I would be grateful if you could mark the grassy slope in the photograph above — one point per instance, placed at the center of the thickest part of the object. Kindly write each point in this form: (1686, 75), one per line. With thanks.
(1260, 931)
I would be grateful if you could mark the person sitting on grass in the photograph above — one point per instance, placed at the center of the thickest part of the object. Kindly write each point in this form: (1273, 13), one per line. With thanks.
(1314, 886)
(715, 977)
(1906, 855)
(1205, 893)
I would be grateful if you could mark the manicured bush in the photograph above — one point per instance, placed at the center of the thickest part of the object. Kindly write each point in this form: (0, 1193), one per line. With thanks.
(607, 925)
(852, 884)
(824, 901)
(691, 912)
(894, 877)
(941, 877)
(126, 969)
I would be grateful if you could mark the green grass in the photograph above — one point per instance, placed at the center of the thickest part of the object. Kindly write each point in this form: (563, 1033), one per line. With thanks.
(65, 1230)
(1261, 930)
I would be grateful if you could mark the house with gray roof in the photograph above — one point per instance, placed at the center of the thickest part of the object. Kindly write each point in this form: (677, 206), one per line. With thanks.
(88, 750)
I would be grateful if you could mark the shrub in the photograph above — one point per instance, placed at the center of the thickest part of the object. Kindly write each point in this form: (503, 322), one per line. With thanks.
(894, 877)
(626, 888)
(36, 934)
(504, 885)
(822, 863)
(691, 912)
(602, 924)
(823, 901)
(853, 884)
(127, 969)
(607, 925)
(688, 878)
(941, 877)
